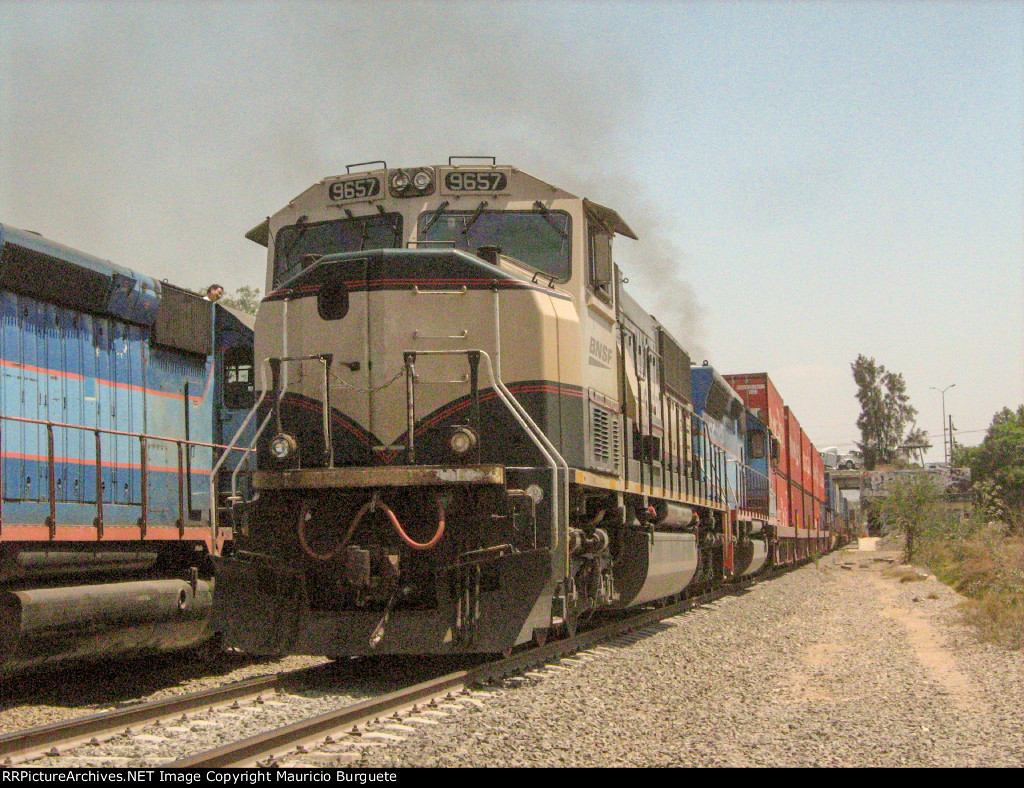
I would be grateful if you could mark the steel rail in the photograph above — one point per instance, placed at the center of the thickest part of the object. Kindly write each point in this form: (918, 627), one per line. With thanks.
(252, 748)
(22, 745)
(265, 749)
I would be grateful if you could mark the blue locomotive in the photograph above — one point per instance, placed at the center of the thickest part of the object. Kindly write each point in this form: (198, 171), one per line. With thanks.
(116, 394)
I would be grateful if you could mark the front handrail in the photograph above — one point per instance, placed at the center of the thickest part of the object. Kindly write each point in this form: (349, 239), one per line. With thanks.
(559, 502)
(143, 437)
(214, 526)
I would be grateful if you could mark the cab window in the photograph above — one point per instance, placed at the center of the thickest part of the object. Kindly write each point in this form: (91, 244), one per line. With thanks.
(600, 269)
(299, 245)
(239, 380)
(539, 241)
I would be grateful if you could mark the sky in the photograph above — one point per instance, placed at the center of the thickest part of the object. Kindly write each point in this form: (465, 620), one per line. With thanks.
(810, 181)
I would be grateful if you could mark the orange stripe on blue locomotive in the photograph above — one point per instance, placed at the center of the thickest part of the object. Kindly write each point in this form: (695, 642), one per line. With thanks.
(77, 349)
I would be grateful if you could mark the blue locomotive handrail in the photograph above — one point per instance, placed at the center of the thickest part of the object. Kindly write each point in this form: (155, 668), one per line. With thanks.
(143, 463)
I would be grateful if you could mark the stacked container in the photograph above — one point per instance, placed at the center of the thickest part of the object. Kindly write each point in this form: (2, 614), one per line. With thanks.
(763, 400)
(798, 475)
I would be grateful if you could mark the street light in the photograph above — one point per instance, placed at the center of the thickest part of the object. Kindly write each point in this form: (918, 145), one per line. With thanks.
(945, 446)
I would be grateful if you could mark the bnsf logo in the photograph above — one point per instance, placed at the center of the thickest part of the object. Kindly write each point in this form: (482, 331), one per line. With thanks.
(600, 353)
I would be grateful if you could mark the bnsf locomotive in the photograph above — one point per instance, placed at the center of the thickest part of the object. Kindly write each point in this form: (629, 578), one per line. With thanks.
(116, 392)
(469, 436)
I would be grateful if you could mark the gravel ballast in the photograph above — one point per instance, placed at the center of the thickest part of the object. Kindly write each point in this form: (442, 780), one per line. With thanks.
(825, 666)
(47, 698)
(834, 664)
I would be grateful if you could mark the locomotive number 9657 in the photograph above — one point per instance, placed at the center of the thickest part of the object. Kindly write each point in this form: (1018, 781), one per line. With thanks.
(472, 181)
(356, 189)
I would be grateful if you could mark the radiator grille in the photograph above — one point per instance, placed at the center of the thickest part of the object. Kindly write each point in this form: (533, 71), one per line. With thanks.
(604, 439)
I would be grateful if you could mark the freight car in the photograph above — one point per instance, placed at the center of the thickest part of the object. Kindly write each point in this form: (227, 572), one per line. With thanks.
(470, 435)
(802, 513)
(116, 392)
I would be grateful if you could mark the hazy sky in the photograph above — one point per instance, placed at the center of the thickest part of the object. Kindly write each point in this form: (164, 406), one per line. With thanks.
(810, 180)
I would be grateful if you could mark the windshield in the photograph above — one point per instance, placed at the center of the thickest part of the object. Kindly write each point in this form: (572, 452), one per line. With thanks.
(540, 241)
(298, 246)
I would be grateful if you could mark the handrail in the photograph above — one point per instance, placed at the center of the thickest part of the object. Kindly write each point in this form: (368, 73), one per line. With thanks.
(233, 443)
(519, 413)
(323, 358)
(105, 431)
(143, 437)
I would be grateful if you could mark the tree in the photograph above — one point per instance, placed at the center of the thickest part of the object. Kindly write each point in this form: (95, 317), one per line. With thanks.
(997, 467)
(885, 410)
(917, 442)
(908, 507)
(245, 299)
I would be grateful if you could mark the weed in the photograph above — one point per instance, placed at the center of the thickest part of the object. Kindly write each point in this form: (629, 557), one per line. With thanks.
(982, 560)
(987, 567)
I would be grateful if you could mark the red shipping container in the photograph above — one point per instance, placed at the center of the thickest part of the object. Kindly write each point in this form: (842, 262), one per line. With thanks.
(794, 449)
(781, 487)
(782, 467)
(796, 510)
(811, 515)
(806, 466)
(760, 395)
(818, 465)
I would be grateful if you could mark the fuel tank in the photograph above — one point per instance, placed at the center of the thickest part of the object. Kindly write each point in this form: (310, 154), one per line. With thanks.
(654, 565)
(35, 566)
(750, 557)
(46, 626)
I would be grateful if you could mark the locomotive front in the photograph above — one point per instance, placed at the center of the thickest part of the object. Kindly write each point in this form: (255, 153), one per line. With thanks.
(422, 391)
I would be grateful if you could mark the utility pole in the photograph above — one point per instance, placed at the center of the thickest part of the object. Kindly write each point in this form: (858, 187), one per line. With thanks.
(946, 454)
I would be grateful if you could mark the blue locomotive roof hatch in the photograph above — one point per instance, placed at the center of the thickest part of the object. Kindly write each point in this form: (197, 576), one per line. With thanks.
(36, 266)
(713, 396)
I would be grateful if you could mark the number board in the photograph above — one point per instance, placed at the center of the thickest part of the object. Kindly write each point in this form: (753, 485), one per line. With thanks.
(474, 181)
(354, 189)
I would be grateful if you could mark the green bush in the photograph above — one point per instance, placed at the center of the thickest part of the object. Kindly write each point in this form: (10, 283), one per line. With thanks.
(982, 559)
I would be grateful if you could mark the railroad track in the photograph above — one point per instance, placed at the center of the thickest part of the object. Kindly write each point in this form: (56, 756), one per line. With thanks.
(21, 746)
(291, 745)
(332, 733)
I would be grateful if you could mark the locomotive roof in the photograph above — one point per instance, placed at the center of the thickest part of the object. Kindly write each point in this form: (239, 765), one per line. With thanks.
(40, 268)
(33, 241)
(603, 215)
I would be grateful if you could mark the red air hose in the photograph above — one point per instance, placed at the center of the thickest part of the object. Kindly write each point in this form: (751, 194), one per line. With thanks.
(304, 511)
(405, 537)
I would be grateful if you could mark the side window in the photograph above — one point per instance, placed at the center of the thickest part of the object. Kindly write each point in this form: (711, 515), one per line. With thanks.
(599, 268)
(239, 378)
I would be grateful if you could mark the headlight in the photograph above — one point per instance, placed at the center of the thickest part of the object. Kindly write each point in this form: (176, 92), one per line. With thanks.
(399, 181)
(412, 182)
(463, 440)
(283, 446)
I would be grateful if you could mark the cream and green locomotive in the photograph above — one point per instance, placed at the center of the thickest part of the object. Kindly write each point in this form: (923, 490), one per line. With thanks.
(469, 435)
